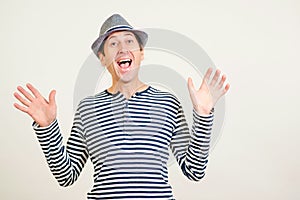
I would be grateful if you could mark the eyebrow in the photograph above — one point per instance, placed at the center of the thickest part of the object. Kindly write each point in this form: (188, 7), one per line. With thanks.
(126, 34)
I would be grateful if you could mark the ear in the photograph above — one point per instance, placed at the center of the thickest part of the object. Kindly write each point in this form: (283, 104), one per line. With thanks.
(142, 54)
(101, 58)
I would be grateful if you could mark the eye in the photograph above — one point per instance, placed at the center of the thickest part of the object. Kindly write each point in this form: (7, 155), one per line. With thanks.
(113, 44)
(130, 41)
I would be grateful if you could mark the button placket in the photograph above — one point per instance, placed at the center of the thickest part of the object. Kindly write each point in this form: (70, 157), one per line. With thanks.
(125, 115)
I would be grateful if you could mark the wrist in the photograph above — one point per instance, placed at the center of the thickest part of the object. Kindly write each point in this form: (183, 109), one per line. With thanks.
(47, 123)
(204, 111)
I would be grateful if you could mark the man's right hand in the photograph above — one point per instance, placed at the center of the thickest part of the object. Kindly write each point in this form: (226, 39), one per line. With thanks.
(36, 106)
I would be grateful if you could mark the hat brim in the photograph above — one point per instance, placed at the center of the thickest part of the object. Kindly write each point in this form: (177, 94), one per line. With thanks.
(143, 37)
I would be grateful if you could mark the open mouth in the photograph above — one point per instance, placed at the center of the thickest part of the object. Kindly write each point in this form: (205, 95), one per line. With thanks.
(124, 63)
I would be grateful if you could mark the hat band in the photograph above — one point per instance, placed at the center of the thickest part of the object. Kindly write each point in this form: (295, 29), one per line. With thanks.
(118, 27)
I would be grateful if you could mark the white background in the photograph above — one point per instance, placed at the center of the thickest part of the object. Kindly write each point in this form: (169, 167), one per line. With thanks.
(256, 43)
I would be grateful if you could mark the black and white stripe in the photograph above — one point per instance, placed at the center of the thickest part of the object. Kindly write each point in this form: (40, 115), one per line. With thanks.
(128, 143)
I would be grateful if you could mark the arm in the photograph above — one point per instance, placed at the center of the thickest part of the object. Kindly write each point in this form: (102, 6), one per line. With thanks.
(65, 162)
(191, 150)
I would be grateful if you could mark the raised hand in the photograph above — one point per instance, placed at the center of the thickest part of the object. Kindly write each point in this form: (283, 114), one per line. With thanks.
(36, 106)
(210, 91)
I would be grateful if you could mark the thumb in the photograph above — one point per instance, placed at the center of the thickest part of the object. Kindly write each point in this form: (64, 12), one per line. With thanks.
(191, 86)
(52, 97)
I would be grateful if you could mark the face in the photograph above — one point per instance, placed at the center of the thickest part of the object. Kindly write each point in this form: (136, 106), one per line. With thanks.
(122, 56)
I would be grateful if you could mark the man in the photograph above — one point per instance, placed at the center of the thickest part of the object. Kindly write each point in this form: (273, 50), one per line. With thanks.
(127, 129)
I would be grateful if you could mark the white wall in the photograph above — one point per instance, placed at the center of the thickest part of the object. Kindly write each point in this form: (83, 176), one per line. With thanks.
(256, 43)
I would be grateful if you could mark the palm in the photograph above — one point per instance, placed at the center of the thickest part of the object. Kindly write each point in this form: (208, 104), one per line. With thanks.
(36, 106)
(210, 91)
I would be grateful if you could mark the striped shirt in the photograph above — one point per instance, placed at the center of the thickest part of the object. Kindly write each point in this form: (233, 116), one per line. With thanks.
(128, 142)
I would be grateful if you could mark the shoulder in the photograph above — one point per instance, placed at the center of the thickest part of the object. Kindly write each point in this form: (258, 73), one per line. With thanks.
(155, 94)
(94, 100)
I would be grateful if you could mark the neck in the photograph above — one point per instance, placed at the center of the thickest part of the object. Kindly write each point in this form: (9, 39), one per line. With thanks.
(127, 89)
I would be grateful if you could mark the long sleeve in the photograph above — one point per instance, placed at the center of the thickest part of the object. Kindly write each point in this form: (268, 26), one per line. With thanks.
(191, 149)
(65, 161)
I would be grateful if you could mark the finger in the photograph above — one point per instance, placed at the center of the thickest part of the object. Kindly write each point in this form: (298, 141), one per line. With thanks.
(190, 83)
(227, 87)
(206, 78)
(192, 91)
(25, 93)
(34, 91)
(21, 99)
(21, 108)
(52, 97)
(215, 78)
(191, 86)
(222, 81)
(208, 74)
(225, 90)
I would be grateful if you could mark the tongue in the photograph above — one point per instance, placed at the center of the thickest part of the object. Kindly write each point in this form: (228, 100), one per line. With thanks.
(124, 65)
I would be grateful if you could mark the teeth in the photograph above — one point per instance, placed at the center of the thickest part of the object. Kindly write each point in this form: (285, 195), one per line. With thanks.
(125, 60)
(124, 63)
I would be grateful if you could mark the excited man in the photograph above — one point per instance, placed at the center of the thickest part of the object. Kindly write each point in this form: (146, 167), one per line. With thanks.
(127, 129)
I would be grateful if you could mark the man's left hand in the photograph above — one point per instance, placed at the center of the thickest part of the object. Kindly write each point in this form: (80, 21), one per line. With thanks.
(210, 91)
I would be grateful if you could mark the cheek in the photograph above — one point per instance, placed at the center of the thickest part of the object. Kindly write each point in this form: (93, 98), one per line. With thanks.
(110, 55)
(109, 60)
(139, 58)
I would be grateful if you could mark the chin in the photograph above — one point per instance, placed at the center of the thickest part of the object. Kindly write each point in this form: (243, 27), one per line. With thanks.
(129, 75)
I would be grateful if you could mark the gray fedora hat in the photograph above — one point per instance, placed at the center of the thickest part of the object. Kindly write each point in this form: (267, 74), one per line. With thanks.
(116, 23)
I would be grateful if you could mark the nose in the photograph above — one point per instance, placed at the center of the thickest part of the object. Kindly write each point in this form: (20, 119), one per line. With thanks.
(123, 49)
